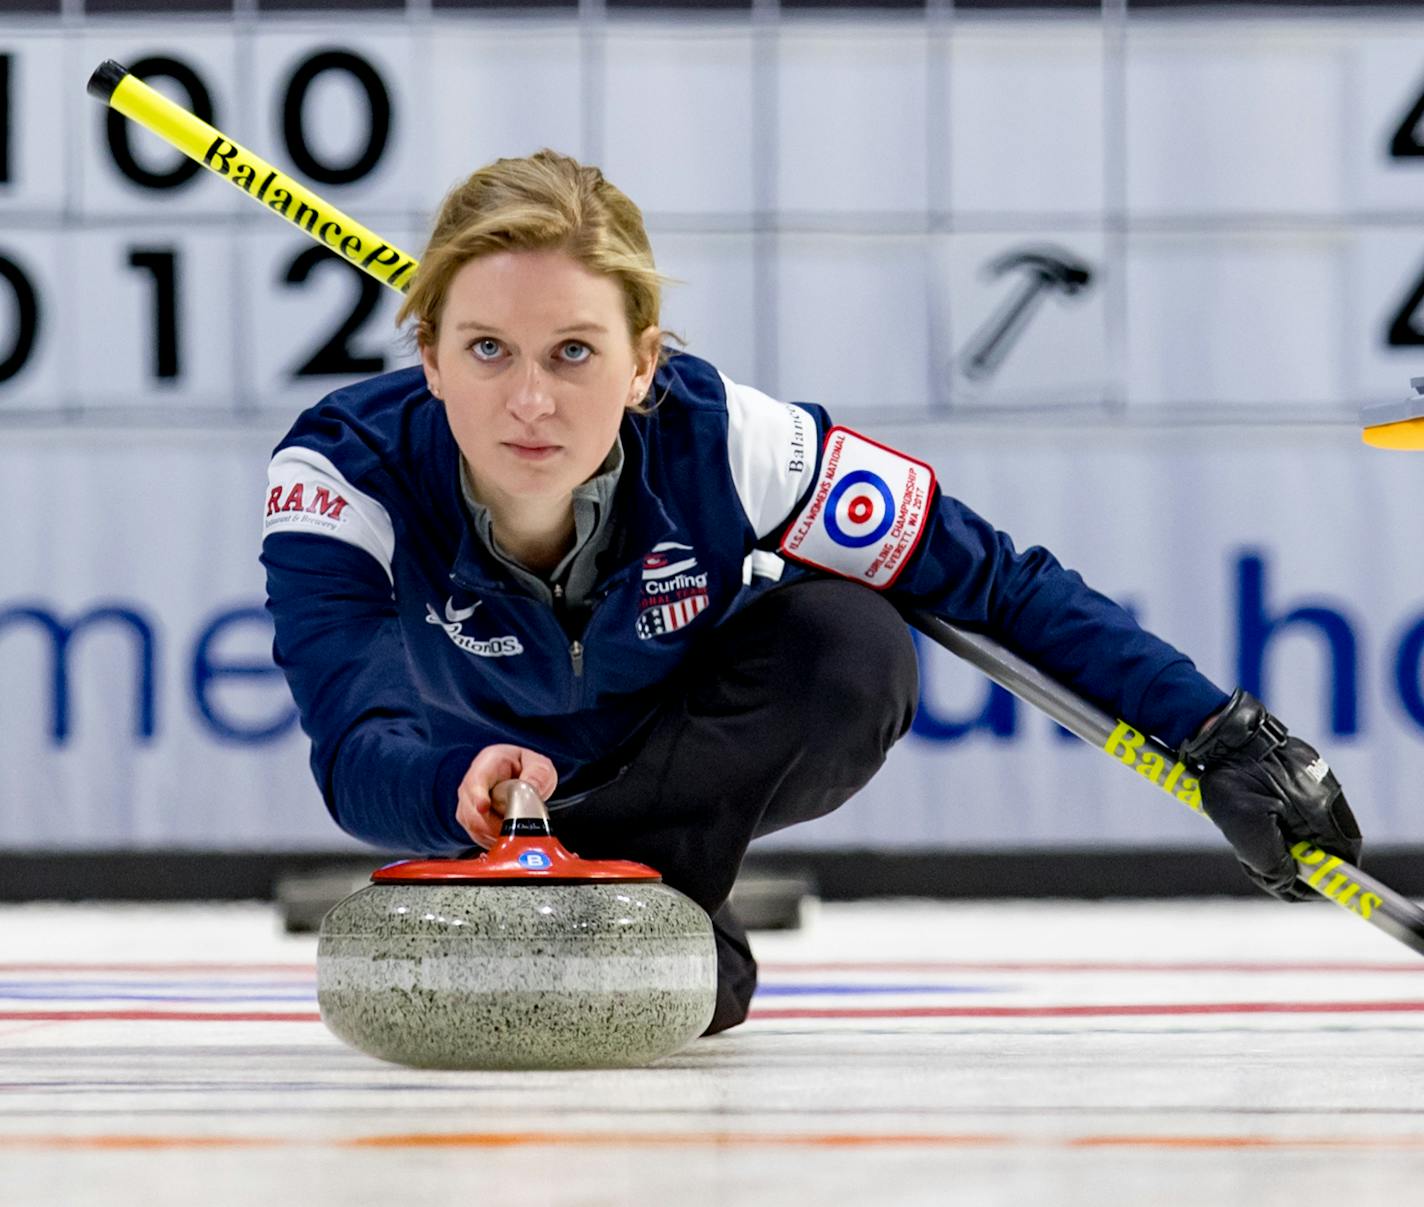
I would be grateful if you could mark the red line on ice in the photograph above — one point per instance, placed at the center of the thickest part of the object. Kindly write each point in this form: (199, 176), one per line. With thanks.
(299, 970)
(160, 1016)
(1110, 1010)
(1273, 967)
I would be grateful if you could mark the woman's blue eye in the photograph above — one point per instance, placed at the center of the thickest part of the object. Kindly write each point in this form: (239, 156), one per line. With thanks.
(576, 353)
(485, 349)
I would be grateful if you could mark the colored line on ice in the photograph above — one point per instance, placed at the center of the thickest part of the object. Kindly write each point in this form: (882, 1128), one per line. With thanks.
(722, 1139)
(139, 990)
(300, 970)
(160, 1016)
(1257, 967)
(27, 984)
(221, 994)
(218, 995)
(795, 990)
(1108, 1010)
(961, 967)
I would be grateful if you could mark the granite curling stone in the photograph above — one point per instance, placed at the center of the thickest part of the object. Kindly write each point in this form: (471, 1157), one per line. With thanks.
(524, 958)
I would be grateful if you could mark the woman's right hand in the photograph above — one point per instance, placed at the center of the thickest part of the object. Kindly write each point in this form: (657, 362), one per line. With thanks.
(475, 810)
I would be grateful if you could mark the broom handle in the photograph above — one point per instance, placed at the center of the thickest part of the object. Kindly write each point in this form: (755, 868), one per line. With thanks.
(1329, 875)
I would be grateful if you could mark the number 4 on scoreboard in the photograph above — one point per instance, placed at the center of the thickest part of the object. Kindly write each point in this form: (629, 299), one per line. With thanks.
(1405, 144)
(1403, 332)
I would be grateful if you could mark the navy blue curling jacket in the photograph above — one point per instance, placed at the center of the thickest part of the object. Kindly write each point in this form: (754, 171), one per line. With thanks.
(409, 648)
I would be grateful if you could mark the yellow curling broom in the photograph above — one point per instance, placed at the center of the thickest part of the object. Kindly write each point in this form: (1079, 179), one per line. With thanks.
(117, 87)
(1331, 877)
(1396, 424)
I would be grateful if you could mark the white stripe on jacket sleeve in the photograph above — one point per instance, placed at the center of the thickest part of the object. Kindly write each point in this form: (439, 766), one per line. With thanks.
(307, 493)
(772, 449)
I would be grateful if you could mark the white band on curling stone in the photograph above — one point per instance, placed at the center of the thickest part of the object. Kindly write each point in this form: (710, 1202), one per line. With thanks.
(527, 971)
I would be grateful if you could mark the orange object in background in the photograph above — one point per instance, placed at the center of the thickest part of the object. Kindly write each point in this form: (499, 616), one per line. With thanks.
(1398, 425)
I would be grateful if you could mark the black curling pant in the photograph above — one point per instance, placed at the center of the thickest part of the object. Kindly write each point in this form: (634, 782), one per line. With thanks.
(786, 711)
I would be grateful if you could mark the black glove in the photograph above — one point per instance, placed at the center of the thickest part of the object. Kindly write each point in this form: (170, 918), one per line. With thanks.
(1265, 790)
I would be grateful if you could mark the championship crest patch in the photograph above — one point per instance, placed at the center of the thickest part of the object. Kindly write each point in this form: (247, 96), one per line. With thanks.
(866, 512)
(674, 591)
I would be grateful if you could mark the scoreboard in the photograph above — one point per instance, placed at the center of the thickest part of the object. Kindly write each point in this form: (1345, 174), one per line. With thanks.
(911, 214)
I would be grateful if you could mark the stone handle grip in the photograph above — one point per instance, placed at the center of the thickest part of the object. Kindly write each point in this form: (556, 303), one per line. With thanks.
(519, 799)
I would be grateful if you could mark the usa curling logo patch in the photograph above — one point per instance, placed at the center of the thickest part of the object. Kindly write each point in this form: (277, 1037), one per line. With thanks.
(866, 512)
(674, 592)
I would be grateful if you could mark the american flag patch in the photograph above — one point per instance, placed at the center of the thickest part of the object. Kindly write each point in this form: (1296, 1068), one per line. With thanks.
(668, 617)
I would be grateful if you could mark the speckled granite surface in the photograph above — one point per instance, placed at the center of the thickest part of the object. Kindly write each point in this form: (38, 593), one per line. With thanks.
(526, 976)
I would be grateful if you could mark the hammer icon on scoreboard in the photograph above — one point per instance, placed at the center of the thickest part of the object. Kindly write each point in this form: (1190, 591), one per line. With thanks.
(1047, 270)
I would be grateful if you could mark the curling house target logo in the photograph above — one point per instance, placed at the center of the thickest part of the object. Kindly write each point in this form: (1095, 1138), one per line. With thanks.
(866, 514)
(674, 592)
(859, 510)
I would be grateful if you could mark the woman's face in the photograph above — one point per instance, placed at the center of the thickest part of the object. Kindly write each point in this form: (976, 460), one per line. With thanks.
(535, 365)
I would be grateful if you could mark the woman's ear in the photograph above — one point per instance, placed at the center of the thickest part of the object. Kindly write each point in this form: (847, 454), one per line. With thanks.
(432, 367)
(646, 349)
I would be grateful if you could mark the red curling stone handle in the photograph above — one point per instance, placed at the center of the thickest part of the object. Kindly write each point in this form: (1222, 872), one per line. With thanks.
(526, 851)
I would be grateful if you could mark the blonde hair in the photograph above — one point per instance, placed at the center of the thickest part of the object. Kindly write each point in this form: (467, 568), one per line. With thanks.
(540, 202)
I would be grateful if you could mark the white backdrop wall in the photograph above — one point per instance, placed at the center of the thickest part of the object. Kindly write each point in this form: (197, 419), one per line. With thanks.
(140, 707)
(846, 204)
